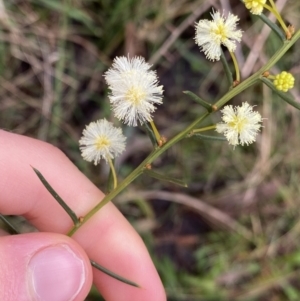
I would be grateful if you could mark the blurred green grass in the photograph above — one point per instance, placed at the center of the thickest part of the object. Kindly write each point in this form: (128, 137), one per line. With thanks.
(52, 58)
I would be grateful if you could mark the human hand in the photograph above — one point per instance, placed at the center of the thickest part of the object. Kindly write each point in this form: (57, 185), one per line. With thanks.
(51, 266)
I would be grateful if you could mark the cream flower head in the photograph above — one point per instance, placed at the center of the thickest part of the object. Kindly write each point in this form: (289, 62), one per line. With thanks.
(240, 124)
(211, 34)
(134, 90)
(256, 6)
(101, 140)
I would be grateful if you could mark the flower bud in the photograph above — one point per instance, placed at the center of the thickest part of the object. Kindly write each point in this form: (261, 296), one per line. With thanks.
(284, 81)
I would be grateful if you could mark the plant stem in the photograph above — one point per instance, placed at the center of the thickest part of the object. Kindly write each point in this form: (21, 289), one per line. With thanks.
(272, 4)
(236, 67)
(255, 77)
(158, 151)
(207, 128)
(155, 131)
(137, 172)
(113, 171)
(278, 17)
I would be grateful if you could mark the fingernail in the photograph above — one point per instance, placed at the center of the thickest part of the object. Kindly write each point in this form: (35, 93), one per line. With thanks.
(56, 273)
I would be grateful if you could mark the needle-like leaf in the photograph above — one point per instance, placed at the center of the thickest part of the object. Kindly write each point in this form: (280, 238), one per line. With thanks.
(208, 137)
(151, 134)
(11, 228)
(112, 274)
(227, 70)
(273, 26)
(161, 177)
(202, 102)
(283, 95)
(61, 202)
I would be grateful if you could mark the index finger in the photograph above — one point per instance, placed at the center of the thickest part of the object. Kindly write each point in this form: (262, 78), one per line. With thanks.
(107, 237)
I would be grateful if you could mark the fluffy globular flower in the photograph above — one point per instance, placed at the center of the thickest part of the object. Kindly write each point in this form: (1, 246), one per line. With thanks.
(240, 124)
(211, 34)
(134, 90)
(101, 140)
(256, 6)
(284, 81)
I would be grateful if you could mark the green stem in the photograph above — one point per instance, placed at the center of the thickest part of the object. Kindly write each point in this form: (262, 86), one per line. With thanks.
(155, 131)
(137, 172)
(132, 176)
(207, 128)
(113, 171)
(273, 4)
(255, 77)
(277, 15)
(158, 151)
(236, 67)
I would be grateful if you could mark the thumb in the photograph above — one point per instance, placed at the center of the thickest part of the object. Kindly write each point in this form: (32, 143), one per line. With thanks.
(43, 267)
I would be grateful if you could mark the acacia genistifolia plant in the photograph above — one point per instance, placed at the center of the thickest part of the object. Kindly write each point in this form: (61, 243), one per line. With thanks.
(135, 93)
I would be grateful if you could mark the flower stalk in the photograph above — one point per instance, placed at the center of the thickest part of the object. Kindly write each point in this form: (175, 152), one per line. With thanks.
(275, 12)
(113, 171)
(155, 131)
(207, 128)
(236, 68)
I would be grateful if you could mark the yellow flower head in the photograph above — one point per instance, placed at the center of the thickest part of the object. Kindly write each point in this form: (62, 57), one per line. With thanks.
(284, 81)
(255, 6)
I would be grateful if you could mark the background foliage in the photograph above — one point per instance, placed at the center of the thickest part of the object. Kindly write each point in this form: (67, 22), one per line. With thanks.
(233, 234)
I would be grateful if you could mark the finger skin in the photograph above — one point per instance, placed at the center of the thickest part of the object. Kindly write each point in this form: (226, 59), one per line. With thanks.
(107, 237)
(15, 254)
